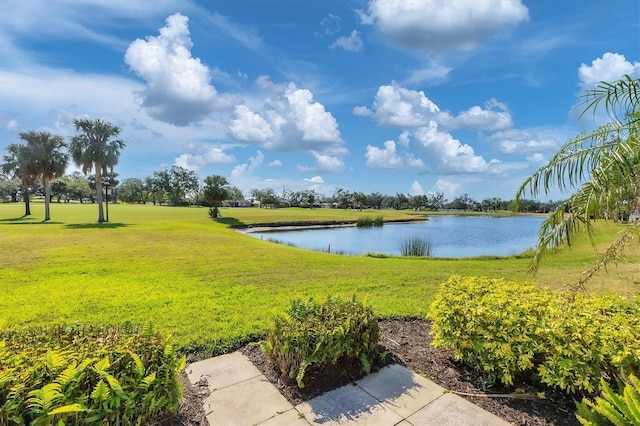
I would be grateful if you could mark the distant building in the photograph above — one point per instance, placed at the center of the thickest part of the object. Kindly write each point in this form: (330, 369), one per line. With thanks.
(237, 203)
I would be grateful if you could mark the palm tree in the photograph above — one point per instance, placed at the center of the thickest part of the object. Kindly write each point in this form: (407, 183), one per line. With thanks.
(604, 166)
(48, 160)
(17, 162)
(95, 147)
(216, 190)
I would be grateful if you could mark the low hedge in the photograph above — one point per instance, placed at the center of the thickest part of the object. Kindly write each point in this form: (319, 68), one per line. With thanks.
(83, 374)
(517, 332)
(322, 333)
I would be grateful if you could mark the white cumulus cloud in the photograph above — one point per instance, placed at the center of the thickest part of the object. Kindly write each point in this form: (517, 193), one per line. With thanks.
(385, 158)
(610, 67)
(495, 116)
(249, 126)
(442, 25)
(324, 163)
(416, 188)
(444, 154)
(520, 142)
(396, 106)
(178, 86)
(205, 156)
(315, 179)
(291, 121)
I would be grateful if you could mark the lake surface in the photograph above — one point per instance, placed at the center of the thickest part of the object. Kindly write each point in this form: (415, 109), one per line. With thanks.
(451, 236)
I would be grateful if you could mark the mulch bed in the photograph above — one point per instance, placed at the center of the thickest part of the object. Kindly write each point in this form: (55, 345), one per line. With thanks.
(408, 343)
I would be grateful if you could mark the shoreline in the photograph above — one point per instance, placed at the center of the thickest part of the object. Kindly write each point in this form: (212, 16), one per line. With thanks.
(293, 226)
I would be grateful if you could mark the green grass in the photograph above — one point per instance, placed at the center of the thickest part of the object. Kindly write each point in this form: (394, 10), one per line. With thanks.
(211, 287)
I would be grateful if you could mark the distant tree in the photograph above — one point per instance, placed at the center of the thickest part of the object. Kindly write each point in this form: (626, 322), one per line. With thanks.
(375, 200)
(59, 188)
(343, 198)
(401, 201)
(437, 201)
(267, 197)
(78, 187)
(419, 202)
(132, 190)
(216, 190)
(9, 188)
(359, 200)
(95, 147)
(177, 183)
(462, 202)
(18, 163)
(235, 193)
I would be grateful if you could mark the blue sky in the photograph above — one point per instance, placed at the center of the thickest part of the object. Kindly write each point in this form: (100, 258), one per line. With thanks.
(454, 96)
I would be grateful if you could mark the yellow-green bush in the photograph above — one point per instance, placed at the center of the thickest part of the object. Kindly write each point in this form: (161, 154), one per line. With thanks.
(83, 374)
(514, 332)
(322, 333)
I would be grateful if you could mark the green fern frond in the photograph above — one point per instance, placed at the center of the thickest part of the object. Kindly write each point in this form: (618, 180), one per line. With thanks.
(138, 363)
(67, 409)
(67, 375)
(45, 398)
(100, 392)
(55, 360)
(182, 364)
(102, 365)
(113, 383)
(146, 382)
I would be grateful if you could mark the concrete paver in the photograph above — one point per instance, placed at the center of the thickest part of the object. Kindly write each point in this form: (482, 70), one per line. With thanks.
(400, 389)
(453, 410)
(288, 418)
(348, 405)
(223, 370)
(246, 403)
(394, 396)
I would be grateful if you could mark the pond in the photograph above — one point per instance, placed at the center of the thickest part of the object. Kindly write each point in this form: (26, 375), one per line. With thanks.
(450, 236)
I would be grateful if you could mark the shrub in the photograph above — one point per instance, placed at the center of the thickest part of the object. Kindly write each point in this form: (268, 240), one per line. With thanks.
(417, 246)
(515, 331)
(368, 222)
(322, 333)
(84, 374)
(618, 409)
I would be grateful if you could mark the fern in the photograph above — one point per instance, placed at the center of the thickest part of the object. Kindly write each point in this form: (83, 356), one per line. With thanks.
(620, 409)
(101, 392)
(45, 398)
(138, 363)
(55, 360)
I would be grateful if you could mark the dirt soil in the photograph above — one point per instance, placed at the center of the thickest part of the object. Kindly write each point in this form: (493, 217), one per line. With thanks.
(408, 343)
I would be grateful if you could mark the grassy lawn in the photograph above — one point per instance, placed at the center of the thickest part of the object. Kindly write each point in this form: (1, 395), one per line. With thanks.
(213, 288)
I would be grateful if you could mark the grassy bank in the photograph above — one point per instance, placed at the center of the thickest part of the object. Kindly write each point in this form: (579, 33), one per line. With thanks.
(211, 287)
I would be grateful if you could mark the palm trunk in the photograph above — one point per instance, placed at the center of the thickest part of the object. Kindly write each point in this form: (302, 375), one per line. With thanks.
(99, 192)
(27, 206)
(47, 198)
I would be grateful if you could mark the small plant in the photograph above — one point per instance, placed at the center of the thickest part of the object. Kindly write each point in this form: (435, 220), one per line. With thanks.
(369, 222)
(620, 409)
(322, 333)
(417, 246)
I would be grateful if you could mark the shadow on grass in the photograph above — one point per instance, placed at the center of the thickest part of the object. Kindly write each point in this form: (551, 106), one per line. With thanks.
(26, 220)
(231, 222)
(95, 225)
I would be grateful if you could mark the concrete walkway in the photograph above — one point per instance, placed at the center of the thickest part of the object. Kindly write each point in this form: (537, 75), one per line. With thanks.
(241, 395)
